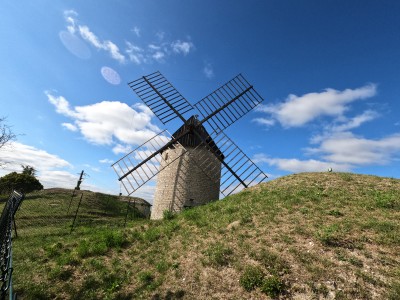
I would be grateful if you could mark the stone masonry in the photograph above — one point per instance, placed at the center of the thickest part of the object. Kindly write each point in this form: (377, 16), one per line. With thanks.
(182, 183)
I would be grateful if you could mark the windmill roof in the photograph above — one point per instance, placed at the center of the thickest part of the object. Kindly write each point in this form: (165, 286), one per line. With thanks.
(191, 139)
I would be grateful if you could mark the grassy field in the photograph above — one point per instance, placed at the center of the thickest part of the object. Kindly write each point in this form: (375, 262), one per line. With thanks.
(303, 236)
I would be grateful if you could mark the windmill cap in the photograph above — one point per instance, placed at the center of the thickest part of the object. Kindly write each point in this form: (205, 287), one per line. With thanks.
(191, 139)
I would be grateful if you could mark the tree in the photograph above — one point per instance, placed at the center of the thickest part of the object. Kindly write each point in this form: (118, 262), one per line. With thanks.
(6, 135)
(18, 181)
(28, 170)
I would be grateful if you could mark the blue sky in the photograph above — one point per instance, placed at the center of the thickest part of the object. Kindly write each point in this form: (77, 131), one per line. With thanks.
(328, 70)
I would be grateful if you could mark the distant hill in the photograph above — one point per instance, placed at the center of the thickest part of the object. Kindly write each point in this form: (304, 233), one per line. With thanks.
(303, 236)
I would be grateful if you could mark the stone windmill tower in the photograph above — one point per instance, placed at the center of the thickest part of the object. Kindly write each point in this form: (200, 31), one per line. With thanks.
(194, 164)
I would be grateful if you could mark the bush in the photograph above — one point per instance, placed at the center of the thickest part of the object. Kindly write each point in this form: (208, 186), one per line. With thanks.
(272, 286)
(21, 182)
(251, 278)
(218, 255)
(168, 215)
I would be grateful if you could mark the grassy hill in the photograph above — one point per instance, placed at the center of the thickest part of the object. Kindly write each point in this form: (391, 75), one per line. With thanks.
(303, 236)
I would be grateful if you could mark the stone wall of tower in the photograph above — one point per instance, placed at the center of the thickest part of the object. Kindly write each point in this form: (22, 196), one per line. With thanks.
(182, 183)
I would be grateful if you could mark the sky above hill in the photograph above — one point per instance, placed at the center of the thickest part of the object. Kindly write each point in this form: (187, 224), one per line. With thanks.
(328, 71)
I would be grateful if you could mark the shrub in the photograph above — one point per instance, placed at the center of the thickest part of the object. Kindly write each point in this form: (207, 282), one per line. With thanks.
(218, 255)
(251, 278)
(21, 182)
(168, 215)
(146, 278)
(272, 286)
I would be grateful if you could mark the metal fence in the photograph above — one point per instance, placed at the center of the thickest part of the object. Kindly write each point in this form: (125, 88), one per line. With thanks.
(55, 211)
(6, 224)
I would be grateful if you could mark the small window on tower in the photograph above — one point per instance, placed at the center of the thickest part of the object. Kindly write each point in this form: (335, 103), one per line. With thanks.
(166, 156)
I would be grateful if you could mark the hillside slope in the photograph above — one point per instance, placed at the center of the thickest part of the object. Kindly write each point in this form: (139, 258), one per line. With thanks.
(303, 236)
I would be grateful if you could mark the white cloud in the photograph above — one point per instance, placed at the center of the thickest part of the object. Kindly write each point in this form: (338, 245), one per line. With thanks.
(16, 154)
(108, 122)
(182, 47)
(158, 51)
(145, 192)
(106, 45)
(124, 149)
(295, 165)
(135, 53)
(355, 122)
(61, 104)
(159, 56)
(343, 124)
(297, 111)
(208, 71)
(70, 126)
(346, 148)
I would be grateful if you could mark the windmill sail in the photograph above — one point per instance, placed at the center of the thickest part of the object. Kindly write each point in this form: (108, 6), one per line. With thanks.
(238, 170)
(142, 164)
(229, 103)
(161, 97)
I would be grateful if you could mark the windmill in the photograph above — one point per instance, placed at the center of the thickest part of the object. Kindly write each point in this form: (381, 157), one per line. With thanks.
(199, 161)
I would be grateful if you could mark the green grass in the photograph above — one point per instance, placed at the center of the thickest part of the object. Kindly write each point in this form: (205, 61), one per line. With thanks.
(305, 235)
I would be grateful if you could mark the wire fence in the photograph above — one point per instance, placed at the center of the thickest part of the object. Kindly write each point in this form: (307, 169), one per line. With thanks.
(56, 211)
(6, 224)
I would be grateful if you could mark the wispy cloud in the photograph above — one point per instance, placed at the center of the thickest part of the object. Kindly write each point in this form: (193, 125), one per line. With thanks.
(297, 111)
(135, 53)
(182, 47)
(86, 34)
(157, 51)
(70, 16)
(296, 165)
(108, 122)
(344, 124)
(106, 45)
(106, 161)
(208, 70)
(69, 126)
(136, 30)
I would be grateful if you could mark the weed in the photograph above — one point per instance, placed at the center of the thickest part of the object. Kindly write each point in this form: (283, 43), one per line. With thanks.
(152, 234)
(346, 176)
(114, 239)
(145, 277)
(272, 286)
(331, 235)
(319, 289)
(273, 262)
(388, 199)
(168, 215)
(356, 262)
(218, 255)
(54, 250)
(87, 248)
(162, 266)
(251, 278)
(59, 273)
(335, 213)
(394, 291)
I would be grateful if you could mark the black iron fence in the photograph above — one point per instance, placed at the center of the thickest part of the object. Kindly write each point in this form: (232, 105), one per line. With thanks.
(55, 211)
(6, 224)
